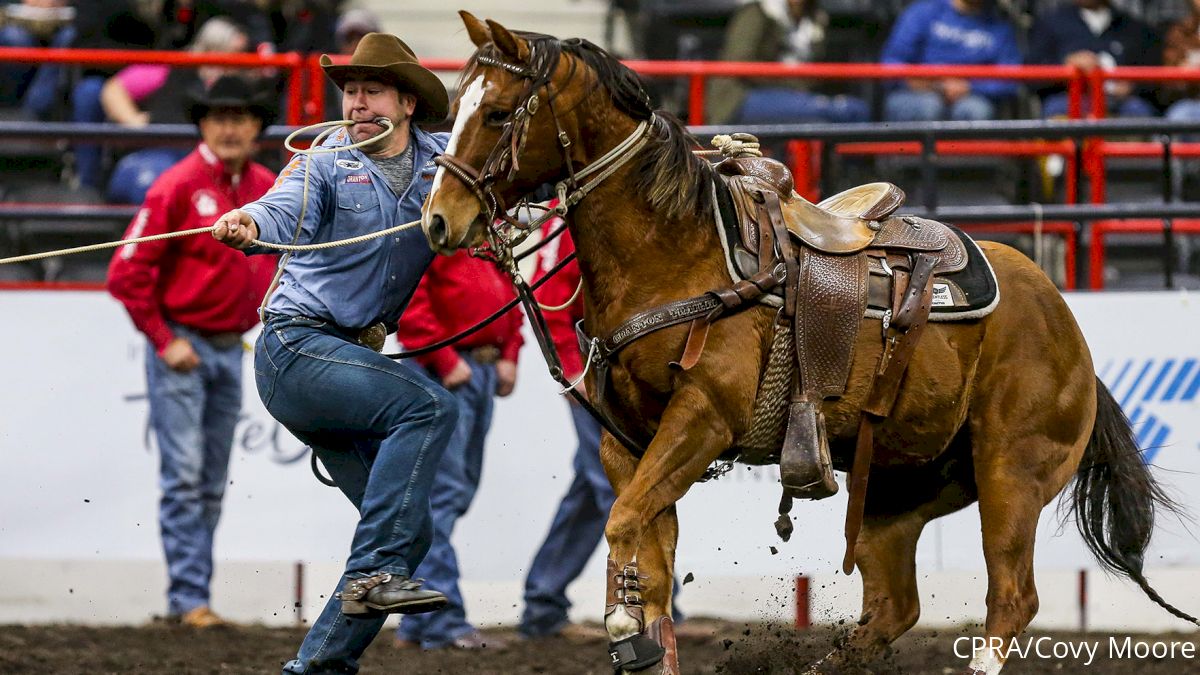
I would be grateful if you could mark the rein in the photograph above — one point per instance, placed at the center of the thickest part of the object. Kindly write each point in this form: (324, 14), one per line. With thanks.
(700, 311)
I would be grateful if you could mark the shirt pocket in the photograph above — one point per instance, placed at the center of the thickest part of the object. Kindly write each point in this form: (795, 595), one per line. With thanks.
(358, 200)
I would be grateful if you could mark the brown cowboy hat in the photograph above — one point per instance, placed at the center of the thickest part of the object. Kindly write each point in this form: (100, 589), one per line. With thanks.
(385, 57)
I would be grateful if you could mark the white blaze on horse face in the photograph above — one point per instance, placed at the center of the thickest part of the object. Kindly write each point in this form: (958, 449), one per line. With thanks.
(467, 105)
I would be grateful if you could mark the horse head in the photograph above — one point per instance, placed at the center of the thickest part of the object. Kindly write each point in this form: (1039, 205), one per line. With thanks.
(523, 100)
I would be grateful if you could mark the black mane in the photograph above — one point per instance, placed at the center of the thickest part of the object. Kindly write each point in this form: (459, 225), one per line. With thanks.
(671, 177)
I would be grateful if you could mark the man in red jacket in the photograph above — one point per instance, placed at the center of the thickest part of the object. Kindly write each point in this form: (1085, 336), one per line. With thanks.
(579, 522)
(456, 293)
(193, 297)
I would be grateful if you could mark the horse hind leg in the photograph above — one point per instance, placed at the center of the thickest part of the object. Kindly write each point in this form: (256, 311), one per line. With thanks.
(899, 505)
(1018, 471)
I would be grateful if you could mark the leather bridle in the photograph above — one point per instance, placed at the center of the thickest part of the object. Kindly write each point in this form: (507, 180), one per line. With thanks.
(505, 155)
(506, 232)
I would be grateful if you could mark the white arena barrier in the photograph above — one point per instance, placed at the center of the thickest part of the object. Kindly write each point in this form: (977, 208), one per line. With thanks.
(78, 493)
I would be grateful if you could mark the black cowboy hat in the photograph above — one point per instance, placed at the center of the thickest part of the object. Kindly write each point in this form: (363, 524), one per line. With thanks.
(385, 57)
(231, 91)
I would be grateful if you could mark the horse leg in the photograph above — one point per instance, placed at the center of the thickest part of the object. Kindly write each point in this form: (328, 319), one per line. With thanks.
(642, 526)
(898, 507)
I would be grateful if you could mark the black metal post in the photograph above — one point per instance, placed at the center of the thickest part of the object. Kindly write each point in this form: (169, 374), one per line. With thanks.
(929, 171)
(1168, 188)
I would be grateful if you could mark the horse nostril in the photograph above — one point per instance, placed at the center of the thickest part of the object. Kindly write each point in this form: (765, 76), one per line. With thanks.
(438, 233)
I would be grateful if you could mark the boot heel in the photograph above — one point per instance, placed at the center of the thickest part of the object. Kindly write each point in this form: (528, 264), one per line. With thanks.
(352, 607)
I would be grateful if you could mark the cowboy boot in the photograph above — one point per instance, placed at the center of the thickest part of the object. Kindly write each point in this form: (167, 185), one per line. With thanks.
(388, 593)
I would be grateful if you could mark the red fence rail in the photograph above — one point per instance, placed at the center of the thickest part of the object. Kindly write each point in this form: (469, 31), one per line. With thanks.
(306, 104)
(292, 62)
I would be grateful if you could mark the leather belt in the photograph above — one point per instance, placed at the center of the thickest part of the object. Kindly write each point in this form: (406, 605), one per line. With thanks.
(226, 340)
(371, 337)
(487, 354)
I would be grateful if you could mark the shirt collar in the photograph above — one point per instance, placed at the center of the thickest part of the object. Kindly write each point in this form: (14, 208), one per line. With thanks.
(210, 158)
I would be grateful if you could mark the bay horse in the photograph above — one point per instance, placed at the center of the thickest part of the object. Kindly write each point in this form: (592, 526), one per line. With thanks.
(1005, 410)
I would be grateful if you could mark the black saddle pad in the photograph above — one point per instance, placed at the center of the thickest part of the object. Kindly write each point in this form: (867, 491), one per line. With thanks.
(977, 282)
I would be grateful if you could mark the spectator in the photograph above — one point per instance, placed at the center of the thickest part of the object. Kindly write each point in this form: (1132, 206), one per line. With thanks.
(787, 31)
(142, 94)
(378, 426)
(1182, 50)
(351, 28)
(182, 18)
(34, 23)
(106, 24)
(303, 25)
(966, 32)
(193, 298)
(1090, 34)
(456, 293)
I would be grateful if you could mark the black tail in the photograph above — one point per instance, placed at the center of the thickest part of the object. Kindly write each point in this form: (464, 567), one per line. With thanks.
(1115, 497)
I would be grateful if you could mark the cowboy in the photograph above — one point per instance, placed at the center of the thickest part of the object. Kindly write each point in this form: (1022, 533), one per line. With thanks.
(378, 426)
(193, 298)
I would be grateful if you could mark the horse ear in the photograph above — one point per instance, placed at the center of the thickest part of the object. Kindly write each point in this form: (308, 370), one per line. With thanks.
(509, 44)
(476, 29)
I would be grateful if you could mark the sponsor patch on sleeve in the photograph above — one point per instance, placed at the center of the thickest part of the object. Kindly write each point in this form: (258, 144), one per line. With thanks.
(358, 178)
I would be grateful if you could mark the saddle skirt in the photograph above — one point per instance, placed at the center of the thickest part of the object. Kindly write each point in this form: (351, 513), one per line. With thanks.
(964, 286)
(852, 258)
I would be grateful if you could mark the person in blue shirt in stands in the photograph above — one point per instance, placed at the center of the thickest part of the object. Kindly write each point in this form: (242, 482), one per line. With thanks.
(378, 426)
(968, 32)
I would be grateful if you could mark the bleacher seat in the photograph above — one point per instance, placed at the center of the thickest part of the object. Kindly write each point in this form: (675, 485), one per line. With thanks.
(31, 235)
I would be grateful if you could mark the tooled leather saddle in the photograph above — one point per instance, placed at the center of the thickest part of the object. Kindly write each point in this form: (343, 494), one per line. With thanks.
(842, 259)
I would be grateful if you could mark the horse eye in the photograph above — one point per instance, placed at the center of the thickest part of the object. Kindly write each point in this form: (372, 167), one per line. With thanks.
(497, 118)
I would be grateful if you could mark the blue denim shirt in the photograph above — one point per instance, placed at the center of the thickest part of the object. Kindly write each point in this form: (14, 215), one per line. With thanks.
(353, 286)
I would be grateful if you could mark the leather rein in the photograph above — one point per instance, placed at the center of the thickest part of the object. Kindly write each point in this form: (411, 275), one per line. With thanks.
(504, 233)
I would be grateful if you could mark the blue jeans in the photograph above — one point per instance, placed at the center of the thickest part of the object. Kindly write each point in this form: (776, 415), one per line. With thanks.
(193, 415)
(379, 427)
(453, 491)
(906, 105)
(781, 105)
(36, 87)
(137, 171)
(1055, 105)
(577, 528)
(85, 107)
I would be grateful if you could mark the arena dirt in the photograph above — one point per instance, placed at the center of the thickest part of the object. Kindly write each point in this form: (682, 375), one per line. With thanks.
(707, 647)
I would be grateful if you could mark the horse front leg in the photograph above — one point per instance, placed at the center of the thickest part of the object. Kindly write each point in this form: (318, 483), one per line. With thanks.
(642, 528)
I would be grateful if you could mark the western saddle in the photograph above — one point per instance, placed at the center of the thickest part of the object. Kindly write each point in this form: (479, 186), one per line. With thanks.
(831, 258)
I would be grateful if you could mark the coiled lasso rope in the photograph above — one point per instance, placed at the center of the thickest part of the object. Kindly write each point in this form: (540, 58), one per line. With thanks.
(288, 248)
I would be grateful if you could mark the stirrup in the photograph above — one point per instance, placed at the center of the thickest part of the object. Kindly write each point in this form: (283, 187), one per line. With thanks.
(805, 467)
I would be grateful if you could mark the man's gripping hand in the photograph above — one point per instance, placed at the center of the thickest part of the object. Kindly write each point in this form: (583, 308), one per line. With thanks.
(236, 229)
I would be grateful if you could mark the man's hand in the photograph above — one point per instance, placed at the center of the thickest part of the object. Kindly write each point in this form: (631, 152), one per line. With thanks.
(459, 375)
(236, 228)
(179, 356)
(954, 88)
(506, 377)
(1084, 60)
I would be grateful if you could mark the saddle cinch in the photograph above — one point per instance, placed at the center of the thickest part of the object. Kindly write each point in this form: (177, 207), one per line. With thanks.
(838, 261)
